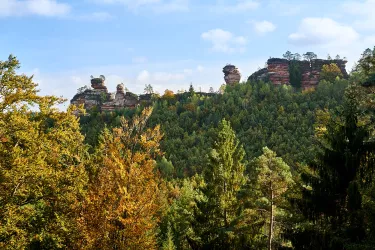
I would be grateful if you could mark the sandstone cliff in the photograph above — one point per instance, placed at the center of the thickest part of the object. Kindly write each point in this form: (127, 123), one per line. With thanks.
(98, 97)
(277, 71)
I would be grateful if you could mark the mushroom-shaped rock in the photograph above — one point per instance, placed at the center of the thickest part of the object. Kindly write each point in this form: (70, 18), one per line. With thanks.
(120, 88)
(232, 75)
(98, 82)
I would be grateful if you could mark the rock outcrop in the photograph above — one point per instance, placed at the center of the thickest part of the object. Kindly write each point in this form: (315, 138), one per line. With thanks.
(98, 97)
(232, 75)
(277, 71)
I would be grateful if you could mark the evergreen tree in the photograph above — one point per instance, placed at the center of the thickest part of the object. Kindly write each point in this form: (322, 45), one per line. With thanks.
(191, 89)
(274, 179)
(295, 74)
(217, 217)
(309, 56)
(288, 55)
(168, 243)
(331, 199)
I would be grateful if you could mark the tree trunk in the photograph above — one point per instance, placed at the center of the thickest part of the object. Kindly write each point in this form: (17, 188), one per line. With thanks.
(270, 234)
(225, 210)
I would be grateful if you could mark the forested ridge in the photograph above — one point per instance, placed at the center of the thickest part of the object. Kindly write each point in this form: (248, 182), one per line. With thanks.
(254, 166)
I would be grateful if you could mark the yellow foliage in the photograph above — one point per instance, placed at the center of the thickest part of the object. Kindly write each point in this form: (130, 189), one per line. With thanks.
(168, 94)
(42, 175)
(121, 210)
(330, 72)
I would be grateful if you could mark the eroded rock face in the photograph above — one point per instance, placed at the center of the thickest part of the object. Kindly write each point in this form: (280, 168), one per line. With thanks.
(277, 71)
(100, 98)
(232, 75)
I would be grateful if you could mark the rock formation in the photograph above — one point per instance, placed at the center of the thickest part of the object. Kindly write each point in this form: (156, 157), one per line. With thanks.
(100, 98)
(98, 83)
(232, 75)
(277, 71)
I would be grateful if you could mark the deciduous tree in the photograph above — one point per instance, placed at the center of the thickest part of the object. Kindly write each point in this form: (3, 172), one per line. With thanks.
(125, 194)
(42, 158)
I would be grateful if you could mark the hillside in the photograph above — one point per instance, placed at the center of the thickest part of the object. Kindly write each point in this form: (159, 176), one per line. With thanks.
(262, 114)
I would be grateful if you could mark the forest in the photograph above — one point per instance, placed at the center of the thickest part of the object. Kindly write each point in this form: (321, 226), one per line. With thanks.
(254, 166)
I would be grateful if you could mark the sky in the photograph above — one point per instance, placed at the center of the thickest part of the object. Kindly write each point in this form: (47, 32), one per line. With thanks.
(172, 43)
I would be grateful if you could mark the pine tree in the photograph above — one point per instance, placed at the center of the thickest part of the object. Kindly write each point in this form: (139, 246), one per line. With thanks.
(216, 218)
(331, 197)
(191, 89)
(274, 179)
(168, 243)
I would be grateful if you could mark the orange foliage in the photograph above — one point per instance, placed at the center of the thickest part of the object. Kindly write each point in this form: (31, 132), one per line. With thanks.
(168, 94)
(121, 210)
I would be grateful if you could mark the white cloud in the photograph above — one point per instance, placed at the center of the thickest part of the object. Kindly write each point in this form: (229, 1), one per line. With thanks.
(263, 27)
(164, 76)
(158, 6)
(224, 41)
(95, 16)
(326, 36)
(99, 16)
(200, 68)
(77, 81)
(188, 71)
(139, 59)
(359, 7)
(173, 6)
(33, 7)
(324, 32)
(364, 11)
(143, 76)
(286, 9)
(236, 6)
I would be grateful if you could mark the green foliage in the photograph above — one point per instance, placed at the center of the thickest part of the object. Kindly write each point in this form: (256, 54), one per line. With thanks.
(260, 113)
(274, 178)
(295, 74)
(330, 72)
(366, 67)
(180, 215)
(168, 243)
(58, 192)
(216, 218)
(148, 89)
(42, 167)
(331, 197)
(290, 56)
(165, 167)
(309, 56)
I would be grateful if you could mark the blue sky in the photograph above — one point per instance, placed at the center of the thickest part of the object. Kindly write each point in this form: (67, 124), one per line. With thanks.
(170, 43)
